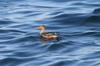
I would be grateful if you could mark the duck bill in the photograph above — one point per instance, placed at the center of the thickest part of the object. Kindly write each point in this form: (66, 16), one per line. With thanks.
(37, 27)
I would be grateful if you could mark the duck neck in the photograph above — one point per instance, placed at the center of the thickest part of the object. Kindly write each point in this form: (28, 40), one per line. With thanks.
(42, 30)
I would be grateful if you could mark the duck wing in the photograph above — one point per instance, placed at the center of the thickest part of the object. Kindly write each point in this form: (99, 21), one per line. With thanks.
(49, 34)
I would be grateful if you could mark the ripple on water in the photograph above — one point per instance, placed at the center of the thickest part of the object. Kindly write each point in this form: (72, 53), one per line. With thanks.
(96, 11)
(12, 61)
(77, 23)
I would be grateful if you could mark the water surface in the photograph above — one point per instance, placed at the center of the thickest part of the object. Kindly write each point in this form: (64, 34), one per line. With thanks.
(77, 22)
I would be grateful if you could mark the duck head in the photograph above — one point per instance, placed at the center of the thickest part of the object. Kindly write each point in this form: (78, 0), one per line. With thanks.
(42, 27)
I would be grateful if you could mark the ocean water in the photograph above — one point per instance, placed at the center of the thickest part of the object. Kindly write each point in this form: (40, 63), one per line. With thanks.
(76, 21)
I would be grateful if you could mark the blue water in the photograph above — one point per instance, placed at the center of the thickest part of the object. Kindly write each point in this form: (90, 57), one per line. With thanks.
(76, 21)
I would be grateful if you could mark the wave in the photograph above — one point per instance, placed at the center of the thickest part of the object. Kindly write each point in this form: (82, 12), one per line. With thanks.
(76, 22)
(96, 11)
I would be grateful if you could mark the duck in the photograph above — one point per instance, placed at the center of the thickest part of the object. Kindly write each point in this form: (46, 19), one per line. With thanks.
(47, 35)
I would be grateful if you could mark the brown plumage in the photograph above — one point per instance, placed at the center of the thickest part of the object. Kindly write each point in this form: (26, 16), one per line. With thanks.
(47, 35)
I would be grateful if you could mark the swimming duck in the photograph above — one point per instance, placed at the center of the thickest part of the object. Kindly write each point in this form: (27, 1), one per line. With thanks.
(47, 35)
